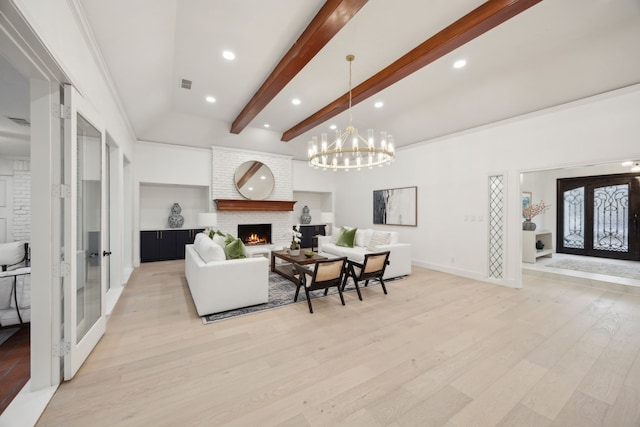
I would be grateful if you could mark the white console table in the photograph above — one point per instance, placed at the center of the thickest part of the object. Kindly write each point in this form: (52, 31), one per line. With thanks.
(529, 238)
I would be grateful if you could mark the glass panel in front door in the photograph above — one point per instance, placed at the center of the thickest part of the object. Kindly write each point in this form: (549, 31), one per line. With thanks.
(89, 290)
(611, 218)
(573, 236)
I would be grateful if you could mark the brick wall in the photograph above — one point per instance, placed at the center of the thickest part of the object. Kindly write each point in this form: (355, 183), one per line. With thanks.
(19, 174)
(224, 163)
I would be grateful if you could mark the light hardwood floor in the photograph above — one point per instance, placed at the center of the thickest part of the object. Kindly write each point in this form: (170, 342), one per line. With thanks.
(437, 350)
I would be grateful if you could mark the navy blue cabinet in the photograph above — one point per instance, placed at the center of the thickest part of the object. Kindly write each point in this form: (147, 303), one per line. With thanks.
(165, 245)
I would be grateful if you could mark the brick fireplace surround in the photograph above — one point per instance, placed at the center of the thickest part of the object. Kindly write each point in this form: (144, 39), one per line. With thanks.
(224, 163)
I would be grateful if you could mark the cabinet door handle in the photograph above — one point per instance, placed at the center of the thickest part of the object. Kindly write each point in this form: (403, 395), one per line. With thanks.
(161, 235)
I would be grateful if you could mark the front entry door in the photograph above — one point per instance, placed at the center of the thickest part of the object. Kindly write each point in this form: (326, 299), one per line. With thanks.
(598, 216)
(85, 289)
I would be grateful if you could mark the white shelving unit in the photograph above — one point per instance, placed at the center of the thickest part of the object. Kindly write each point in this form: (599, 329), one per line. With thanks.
(529, 238)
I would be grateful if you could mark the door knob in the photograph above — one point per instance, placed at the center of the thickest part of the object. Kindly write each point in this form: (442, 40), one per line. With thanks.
(105, 253)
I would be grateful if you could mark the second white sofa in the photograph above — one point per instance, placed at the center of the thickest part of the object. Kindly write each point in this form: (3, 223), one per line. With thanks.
(399, 257)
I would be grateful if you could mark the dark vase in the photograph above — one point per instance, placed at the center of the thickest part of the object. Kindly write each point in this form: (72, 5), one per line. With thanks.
(528, 225)
(539, 245)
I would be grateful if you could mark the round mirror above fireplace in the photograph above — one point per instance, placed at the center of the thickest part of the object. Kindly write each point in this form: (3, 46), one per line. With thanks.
(254, 180)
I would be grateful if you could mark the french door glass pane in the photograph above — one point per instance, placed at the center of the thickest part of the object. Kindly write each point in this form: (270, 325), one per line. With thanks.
(611, 218)
(89, 291)
(574, 218)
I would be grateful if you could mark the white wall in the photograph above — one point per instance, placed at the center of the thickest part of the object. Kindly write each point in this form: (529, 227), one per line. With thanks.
(452, 177)
(313, 188)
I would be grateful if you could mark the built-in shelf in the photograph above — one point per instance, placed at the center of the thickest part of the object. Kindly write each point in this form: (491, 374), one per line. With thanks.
(254, 205)
(529, 251)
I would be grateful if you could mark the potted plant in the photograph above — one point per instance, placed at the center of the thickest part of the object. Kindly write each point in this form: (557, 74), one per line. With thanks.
(294, 248)
(532, 210)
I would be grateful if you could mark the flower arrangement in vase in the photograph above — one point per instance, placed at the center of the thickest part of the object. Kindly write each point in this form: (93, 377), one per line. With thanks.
(532, 210)
(294, 248)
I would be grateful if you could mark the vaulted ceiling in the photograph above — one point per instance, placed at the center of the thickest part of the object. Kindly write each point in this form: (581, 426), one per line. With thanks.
(545, 53)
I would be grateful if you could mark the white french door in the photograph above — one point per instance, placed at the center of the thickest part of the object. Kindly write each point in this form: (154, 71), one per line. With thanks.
(85, 221)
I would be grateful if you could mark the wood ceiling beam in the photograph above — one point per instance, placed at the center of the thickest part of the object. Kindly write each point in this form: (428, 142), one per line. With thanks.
(330, 19)
(477, 22)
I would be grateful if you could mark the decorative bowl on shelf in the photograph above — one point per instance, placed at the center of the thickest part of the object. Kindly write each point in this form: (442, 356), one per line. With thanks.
(309, 254)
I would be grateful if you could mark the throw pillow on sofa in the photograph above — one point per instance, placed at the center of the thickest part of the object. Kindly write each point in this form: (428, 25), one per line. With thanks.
(198, 237)
(235, 250)
(208, 250)
(363, 237)
(378, 238)
(219, 239)
(228, 239)
(347, 237)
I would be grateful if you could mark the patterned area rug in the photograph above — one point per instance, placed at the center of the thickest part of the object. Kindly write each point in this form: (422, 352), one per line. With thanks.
(629, 272)
(281, 293)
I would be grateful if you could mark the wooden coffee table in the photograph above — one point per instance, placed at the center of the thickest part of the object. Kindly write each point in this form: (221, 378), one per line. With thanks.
(287, 270)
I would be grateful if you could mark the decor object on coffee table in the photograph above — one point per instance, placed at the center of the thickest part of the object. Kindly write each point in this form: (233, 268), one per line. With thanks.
(175, 219)
(294, 248)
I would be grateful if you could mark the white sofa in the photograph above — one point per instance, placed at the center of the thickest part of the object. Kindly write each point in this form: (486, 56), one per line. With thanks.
(13, 259)
(227, 284)
(399, 257)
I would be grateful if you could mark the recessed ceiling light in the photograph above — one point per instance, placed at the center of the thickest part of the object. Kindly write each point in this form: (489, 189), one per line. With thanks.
(627, 164)
(227, 54)
(379, 104)
(333, 127)
(460, 63)
(267, 125)
(295, 101)
(210, 99)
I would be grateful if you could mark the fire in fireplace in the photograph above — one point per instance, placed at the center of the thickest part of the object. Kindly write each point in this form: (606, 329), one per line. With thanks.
(255, 234)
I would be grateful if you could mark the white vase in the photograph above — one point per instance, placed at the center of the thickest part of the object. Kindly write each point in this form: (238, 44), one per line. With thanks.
(294, 252)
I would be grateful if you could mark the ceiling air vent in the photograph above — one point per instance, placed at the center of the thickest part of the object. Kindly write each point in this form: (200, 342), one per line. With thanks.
(19, 121)
(185, 84)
